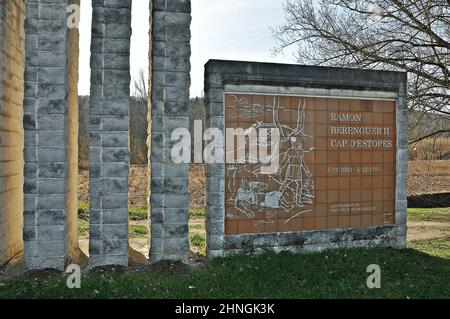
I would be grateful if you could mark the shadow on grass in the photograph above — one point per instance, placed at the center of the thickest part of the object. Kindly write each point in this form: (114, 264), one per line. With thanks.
(331, 274)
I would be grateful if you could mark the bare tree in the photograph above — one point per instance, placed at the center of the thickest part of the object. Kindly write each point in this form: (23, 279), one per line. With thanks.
(138, 120)
(141, 88)
(402, 35)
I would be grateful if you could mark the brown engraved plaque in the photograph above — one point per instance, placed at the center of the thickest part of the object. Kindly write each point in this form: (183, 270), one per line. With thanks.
(337, 162)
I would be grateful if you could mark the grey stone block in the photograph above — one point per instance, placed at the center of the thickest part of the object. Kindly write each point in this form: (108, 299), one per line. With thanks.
(211, 254)
(50, 233)
(215, 228)
(170, 49)
(215, 242)
(176, 201)
(52, 170)
(176, 245)
(179, 6)
(52, 154)
(51, 217)
(49, 202)
(176, 230)
(215, 170)
(115, 154)
(115, 247)
(115, 201)
(115, 216)
(115, 170)
(115, 185)
(50, 248)
(157, 200)
(37, 263)
(215, 95)
(215, 199)
(215, 213)
(176, 215)
(400, 218)
(115, 232)
(215, 184)
(117, 123)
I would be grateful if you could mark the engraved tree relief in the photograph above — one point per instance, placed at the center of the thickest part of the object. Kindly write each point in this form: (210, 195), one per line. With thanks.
(291, 188)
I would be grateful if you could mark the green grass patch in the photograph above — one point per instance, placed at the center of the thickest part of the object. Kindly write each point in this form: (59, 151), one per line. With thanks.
(137, 231)
(331, 274)
(197, 213)
(439, 247)
(198, 240)
(83, 228)
(429, 214)
(196, 226)
(138, 213)
(83, 211)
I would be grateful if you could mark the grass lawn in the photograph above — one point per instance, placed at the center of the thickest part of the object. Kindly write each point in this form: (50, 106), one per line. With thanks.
(421, 271)
(439, 247)
(333, 274)
(429, 214)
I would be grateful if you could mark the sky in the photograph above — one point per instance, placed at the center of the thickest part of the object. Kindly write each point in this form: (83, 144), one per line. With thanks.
(221, 29)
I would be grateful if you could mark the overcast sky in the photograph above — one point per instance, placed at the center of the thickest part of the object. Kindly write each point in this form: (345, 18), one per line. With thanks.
(221, 29)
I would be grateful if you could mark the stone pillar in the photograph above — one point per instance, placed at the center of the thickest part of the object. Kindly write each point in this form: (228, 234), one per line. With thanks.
(48, 122)
(169, 199)
(12, 59)
(109, 125)
(401, 197)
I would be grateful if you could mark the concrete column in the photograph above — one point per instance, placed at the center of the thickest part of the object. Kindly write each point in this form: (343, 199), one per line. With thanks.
(109, 125)
(12, 60)
(401, 197)
(215, 173)
(169, 199)
(49, 229)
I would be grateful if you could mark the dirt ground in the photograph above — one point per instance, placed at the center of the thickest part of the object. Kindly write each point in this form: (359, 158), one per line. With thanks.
(426, 177)
(427, 230)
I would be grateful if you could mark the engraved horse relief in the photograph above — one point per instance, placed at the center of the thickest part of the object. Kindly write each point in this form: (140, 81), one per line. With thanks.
(291, 189)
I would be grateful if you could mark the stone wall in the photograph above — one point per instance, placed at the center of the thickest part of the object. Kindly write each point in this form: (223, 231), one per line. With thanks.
(12, 14)
(50, 128)
(169, 200)
(278, 79)
(109, 126)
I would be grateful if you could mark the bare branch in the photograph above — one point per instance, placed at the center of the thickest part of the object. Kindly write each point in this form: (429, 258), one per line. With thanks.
(440, 132)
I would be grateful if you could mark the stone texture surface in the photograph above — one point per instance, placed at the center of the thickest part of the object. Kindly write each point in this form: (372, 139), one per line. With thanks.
(12, 61)
(281, 77)
(170, 67)
(50, 123)
(109, 126)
